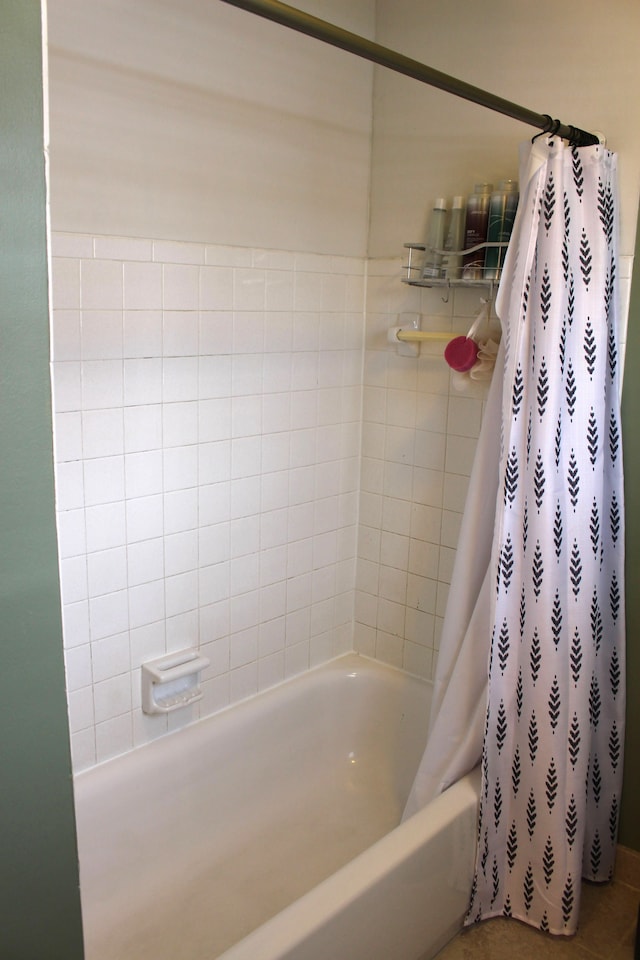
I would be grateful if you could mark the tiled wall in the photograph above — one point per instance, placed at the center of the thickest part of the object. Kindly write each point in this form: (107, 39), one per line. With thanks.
(420, 427)
(220, 447)
(207, 438)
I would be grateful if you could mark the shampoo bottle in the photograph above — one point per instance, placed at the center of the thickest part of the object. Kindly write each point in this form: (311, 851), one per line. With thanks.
(432, 267)
(502, 211)
(476, 225)
(454, 241)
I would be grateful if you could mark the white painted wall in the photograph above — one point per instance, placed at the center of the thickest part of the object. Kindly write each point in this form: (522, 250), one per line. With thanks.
(197, 121)
(577, 60)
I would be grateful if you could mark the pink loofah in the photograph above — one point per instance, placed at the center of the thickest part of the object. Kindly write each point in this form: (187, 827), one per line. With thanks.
(461, 353)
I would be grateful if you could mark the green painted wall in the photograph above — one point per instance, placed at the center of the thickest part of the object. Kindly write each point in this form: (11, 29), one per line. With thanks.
(39, 893)
(630, 822)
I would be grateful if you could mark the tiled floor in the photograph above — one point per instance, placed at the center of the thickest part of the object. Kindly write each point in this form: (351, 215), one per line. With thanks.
(606, 932)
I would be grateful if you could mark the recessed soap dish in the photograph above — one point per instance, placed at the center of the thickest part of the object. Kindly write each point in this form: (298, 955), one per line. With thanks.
(172, 681)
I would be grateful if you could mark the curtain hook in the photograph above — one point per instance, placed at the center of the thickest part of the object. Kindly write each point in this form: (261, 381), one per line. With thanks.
(548, 124)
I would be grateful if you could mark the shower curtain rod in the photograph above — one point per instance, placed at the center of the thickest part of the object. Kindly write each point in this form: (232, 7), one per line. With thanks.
(288, 16)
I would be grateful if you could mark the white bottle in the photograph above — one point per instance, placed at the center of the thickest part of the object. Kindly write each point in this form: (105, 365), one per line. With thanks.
(454, 241)
(432, 267)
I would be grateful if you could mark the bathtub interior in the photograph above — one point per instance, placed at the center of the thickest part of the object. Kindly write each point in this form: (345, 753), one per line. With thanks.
(205, 835)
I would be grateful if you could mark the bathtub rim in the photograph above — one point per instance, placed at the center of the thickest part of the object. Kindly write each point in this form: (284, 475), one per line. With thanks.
(278, 936)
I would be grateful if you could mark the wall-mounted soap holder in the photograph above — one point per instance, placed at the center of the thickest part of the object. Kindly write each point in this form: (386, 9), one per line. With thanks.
(172, 681)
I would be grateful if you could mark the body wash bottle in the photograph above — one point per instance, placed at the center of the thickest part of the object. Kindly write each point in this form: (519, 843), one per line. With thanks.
(432, 267)
(454, 241)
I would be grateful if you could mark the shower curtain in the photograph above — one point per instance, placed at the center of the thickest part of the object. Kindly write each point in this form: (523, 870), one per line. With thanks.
(545, 630)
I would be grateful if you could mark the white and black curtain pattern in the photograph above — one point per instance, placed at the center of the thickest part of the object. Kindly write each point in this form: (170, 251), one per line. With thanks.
(552, 755)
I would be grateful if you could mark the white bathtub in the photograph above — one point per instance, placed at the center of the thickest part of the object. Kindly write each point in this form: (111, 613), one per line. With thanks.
(270, 830)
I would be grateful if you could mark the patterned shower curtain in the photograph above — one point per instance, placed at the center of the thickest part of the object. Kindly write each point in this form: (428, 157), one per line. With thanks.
(552, 754)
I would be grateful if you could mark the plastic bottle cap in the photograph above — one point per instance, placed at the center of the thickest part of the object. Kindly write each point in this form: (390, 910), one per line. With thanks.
(461, 353)
(440, 204)
(483, 187)
(508, 186)
(458, 203)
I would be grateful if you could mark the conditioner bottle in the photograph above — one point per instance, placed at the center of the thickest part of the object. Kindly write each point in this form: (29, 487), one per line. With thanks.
(476, 225)
(502, 212)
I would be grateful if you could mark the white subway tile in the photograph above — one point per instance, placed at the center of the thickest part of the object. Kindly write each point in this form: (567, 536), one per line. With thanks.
(142, 428)
(243, 647)
(67, 386)
(81, 715)
(142, 286)
(460, 454)
(214, 377)
(65, 284)
(214, 583)
(244, 574)
(72, 245)
(142, 334)
(246, 416)
(180, 423)
(147, 603)
(216, 332)
(69, 485)
(144, 518)
(106, 526)
(180, 468)
(78, 667)
(73, 579)
(270, 670)
(102, 384)
(110, 657)
(180, 333)
(245, 497)
(107, 571)
(101, 334)
(67, 436)
(244, 611)
(296, 659)
(108, 615)
(243, 682)
(248, 332)
(181, 593)
(142, 381)
(245, 457)
(279, 332)
(72, 536)
(75, 624)
(181, 552)
(275, 452)
(122, 248)
(143, 474)
(181, 510)
(180, 379)
(146, 643)
(113, 737)
(216, 288)
(101, 284)
(66, 343)
(276, 373)
(180, 286)
(102, 433)
(104, 480)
